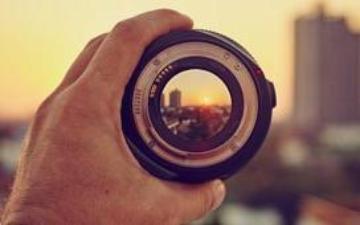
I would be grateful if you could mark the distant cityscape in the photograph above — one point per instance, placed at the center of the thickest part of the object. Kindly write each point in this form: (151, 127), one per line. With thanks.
(327, 71)
(195, 122)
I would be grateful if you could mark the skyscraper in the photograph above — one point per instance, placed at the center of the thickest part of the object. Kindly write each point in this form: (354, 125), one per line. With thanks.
(175, 98)
(327, 71)
(162, 100)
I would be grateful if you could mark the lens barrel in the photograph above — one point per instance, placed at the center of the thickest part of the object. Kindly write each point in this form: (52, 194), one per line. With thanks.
(187, 143)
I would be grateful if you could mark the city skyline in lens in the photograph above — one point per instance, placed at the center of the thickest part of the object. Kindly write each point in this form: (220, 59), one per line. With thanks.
(198, 88)
(40, 39)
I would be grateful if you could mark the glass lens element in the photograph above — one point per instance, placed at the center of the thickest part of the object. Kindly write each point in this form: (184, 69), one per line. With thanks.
(195, 105)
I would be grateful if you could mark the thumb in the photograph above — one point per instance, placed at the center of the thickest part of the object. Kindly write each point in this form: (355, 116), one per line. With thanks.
(202, 199)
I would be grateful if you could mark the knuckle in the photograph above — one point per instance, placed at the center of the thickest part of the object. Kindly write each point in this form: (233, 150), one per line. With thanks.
(44, 109)
(78, 106)
(95, 40)
(71, 104)
(129, 31)
(70, 117)
(43, 112)
(91, 42)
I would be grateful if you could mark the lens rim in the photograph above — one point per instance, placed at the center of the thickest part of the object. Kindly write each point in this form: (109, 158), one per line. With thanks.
(168, 170)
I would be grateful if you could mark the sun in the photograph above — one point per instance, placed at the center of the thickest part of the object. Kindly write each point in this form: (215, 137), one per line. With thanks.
(206, 101)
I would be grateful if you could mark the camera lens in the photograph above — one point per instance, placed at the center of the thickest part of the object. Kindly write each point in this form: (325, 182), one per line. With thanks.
(197, 107)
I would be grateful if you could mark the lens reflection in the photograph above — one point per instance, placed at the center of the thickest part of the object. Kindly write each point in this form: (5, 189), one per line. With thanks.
(195, 105)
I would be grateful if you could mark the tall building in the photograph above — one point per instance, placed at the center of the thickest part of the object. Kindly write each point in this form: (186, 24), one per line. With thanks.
(175, 98)
(327, 71)
(162, 100)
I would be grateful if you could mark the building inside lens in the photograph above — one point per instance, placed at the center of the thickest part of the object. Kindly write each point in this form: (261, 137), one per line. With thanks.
(195, 111)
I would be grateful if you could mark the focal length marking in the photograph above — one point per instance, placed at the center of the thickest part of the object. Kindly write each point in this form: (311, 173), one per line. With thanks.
(159, 79)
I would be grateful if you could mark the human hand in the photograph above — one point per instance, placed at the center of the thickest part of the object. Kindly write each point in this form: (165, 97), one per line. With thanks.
(76, 167)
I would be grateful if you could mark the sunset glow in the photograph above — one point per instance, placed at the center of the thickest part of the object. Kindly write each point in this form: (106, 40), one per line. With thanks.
(40, 39)
(199, 87)
(207, 101)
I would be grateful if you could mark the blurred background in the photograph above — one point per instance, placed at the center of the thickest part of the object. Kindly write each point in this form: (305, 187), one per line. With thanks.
(307, 172)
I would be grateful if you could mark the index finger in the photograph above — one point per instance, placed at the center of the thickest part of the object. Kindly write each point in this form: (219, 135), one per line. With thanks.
(118, 55)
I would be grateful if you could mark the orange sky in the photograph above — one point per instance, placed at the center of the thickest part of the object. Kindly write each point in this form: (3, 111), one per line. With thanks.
(40, 38)
(198, 87)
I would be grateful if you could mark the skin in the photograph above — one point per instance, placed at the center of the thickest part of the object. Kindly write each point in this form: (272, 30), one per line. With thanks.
(75, 166)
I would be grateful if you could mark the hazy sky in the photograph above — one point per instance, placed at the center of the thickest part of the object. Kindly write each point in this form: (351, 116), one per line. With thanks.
(40, 38)
(198, 87)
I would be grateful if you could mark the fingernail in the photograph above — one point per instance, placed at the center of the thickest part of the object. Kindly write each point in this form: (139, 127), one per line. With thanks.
(219, 191)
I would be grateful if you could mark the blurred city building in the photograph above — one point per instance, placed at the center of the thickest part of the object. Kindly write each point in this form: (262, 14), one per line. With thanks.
(162, 101)
(318, 211)
(175, 98)
(327, 71)
(11, 135)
